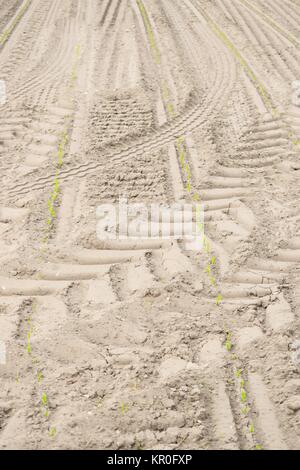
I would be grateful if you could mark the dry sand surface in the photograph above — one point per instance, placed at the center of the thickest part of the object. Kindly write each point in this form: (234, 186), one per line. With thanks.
(145, 344)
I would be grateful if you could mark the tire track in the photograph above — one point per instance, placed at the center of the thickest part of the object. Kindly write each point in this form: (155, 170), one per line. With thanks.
(219, 89)
(57, 68)
(293, 40)
(18, 47)
(194, 118)
(285, 63)
(95, 278)
(264, 281)
(283, 10)
(102, 21)
(14, 22)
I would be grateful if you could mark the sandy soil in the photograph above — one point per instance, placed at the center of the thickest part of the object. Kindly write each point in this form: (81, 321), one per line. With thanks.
(145, 344)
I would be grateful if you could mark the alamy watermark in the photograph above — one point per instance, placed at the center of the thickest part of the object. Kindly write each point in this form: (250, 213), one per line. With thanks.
(296, 92)
(2, 92)
(141, 221)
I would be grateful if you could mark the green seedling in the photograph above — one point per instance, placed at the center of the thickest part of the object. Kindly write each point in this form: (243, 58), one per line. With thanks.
(170, 109)
(243, 395)
(52, 432)
(150, 32)
(251, 428)
(165, 91)
(182, 159)
(238, 373)
(245, 410)
(51, 208)
(228, 343)
(197, 211)
(180, 140)
(44, 399)
(207, 269)
(206, 244)
(200, 226)
(39, 376)
(28, 347)
(188, 171)
(219, 299)
(124, 408)
(60, 155)
(65, 138)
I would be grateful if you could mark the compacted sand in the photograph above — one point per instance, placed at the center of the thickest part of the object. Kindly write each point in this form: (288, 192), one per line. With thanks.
(144, 344)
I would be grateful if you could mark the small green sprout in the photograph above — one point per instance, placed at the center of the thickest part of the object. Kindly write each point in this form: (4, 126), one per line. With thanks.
(28, 347)
(228, 343)
(243, 395)
(170, 109)
(124, 408)
(207, 269)
(40, 376)
(245, 410)
(52, 431)
(206, 244)
(44, 399)
(188, 171)
(219, 299)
